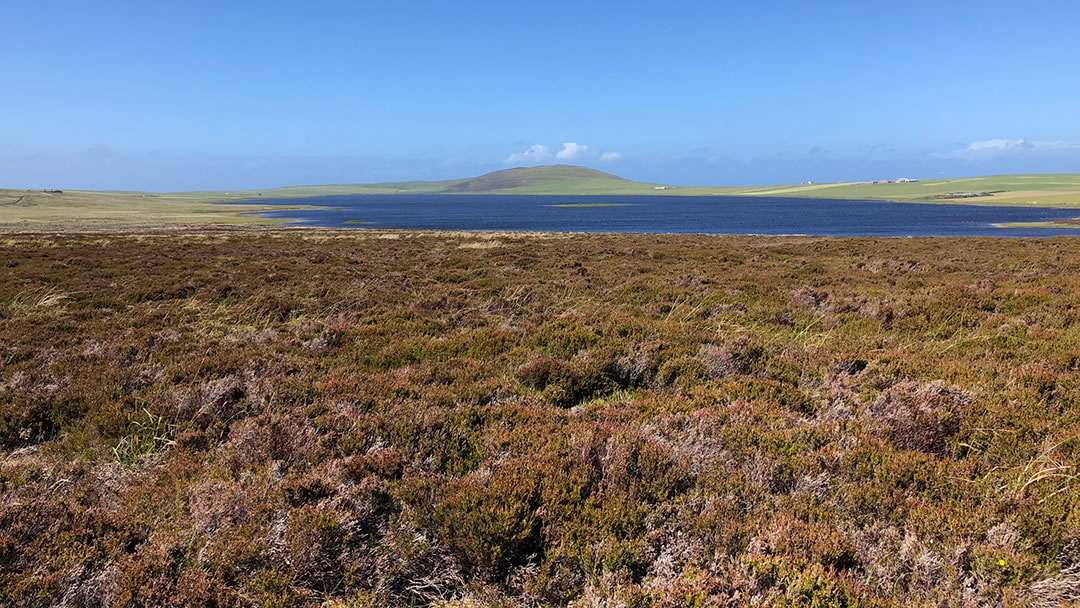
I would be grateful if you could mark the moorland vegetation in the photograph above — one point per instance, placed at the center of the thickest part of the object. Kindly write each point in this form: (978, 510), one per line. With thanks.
(305, 418)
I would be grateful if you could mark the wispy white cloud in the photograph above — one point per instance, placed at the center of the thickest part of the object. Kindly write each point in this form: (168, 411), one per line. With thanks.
(1009, 147)
(535, 154)
(999, 145)
(611, 156)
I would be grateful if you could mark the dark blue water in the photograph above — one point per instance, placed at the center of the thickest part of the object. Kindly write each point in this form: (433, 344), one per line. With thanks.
(669, 214)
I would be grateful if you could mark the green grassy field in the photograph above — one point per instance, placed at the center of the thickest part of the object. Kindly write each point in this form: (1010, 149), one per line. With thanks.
(89, 208)
(1037, 190)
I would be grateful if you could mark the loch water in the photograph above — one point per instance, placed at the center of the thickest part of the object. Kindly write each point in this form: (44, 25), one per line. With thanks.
(667, 214)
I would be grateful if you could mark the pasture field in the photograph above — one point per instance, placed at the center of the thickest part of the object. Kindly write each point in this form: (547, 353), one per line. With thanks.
(1045, 190)
(261, 417)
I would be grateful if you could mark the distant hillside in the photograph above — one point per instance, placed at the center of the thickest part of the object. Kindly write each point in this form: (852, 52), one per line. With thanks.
(1039, 190)
(547, 179)
(557, 177)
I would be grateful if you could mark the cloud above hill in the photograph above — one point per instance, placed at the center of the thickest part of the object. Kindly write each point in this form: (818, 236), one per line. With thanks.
(538, 153)
(573, 151)
(570, 152)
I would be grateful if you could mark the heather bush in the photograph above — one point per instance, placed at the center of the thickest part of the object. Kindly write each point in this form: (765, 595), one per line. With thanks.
(567, 383)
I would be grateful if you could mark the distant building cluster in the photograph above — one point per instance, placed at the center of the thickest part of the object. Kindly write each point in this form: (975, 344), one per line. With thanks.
(902, 180)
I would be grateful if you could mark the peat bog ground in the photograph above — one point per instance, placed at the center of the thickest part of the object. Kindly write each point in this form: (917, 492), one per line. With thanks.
(347, 418)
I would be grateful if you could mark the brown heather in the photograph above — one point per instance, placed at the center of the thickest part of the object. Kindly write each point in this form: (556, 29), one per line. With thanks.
(319, 418)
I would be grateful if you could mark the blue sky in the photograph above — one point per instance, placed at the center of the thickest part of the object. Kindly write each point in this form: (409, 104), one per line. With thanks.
(191, 95)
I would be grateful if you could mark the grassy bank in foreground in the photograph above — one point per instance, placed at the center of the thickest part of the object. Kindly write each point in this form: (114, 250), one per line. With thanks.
(305, 418)
(86, 208)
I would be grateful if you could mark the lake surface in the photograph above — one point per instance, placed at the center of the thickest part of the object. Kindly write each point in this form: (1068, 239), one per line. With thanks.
(668, 214)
